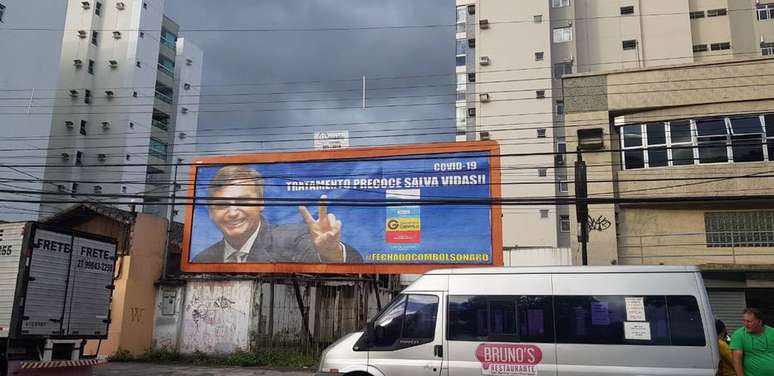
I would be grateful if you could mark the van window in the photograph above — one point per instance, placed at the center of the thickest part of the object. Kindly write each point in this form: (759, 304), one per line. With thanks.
(500, 318)
(408, 321)
(672, 320)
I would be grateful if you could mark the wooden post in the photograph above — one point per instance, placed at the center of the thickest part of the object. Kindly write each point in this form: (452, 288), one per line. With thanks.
(304, 317)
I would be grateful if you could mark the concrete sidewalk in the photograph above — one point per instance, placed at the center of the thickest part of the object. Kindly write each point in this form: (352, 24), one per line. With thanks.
(147, 369)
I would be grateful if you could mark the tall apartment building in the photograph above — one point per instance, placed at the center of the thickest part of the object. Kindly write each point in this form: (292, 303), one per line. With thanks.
(127, 92)
(511, 57)
(23, 76)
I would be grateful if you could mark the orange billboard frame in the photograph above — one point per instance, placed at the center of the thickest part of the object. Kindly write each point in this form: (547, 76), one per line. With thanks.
(342, 154)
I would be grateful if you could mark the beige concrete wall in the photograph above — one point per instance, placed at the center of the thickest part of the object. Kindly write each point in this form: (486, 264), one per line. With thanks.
(690, 85)
(133, 305)
(677, 236)
(659, 26)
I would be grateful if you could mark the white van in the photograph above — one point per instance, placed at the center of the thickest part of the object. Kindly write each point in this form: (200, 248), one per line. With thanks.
(617, 320)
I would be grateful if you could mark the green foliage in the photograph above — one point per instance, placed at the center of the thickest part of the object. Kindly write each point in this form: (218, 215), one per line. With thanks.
(274, 357)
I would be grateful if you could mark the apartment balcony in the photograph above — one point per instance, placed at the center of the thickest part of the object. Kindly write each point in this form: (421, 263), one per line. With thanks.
(160, 125)
(167, 48)
(163, 69)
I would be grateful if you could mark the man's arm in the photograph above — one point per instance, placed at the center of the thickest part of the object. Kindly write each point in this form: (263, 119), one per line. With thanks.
(738, 366)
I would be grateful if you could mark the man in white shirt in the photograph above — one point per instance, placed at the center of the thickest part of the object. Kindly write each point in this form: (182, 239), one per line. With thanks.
(248, 237)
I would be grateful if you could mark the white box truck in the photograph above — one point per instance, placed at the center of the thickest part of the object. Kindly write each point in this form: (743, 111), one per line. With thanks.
(55, 292)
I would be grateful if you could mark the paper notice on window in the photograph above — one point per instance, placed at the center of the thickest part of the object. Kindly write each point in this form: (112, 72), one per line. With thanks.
(638, 331)
(635, 309)
(599, 314)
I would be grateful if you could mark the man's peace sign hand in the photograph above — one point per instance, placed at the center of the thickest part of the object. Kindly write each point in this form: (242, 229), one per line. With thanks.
(325, 232)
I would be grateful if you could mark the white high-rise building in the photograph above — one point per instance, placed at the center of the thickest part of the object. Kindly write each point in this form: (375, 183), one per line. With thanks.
(127, 92)
(511, 56)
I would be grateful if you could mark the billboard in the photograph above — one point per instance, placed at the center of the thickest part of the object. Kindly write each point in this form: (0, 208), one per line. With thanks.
(404, 209)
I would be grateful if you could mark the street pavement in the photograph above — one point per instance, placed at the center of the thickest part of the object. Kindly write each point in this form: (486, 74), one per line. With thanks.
(147, 369)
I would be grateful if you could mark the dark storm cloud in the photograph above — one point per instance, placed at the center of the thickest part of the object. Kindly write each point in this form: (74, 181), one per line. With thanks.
(328, 63)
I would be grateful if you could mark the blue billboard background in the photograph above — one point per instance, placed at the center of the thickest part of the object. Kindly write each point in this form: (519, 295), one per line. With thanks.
(459, 234)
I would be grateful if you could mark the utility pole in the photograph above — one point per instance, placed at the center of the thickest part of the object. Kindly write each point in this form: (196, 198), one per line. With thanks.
(171, 219)
(582, 206)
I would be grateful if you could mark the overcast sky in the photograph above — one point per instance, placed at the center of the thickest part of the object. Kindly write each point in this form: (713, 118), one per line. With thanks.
(329, 63)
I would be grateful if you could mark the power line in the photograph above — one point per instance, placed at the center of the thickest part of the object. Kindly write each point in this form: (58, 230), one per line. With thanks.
(372, 27)
(729, 62)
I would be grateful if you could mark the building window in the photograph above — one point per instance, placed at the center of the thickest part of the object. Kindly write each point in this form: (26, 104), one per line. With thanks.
(461, 51)
(743, 138)
(711, 136)
(2, 12)
(462, 16)
(166, 66)
(560, 3)
(627, 10)
(561, 150)
(768, 121)
(562, 34)
(539, 56)
(767, 48)
(540, 94)
(700, 48)
(462, 122)
(765, 11)
(697, 14)
(98, 8)
(82, 130)
(560, 107)
(746, 139)
(717, 12)
(168, 38)
(462, 83)
(560, 69)
(681, 143)
(739, 229)
(538, 18)
(542, 172)
(94, 36)
(720, 46)
(73, 189)
(632, 146)
(564, 223)
(543, 213)
(563, 186)
(79, 158)
(158, 149)
(91, 67)
(541, 133)
(87, 96)
(629, 44)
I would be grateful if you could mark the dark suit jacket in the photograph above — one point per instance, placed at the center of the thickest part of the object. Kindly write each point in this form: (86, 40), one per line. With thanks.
(277, 243)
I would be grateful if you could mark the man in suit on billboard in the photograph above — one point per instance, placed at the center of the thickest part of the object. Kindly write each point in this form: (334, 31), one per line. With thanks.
(248, 237)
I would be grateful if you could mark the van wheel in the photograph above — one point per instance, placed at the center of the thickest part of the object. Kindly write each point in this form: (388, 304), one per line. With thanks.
(358, 374)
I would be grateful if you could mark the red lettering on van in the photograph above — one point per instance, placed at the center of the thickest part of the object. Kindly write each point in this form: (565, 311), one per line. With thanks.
(499, 353)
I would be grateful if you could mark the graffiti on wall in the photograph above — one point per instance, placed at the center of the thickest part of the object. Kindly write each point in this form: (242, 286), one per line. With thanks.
(600, 223)
(216, 316)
